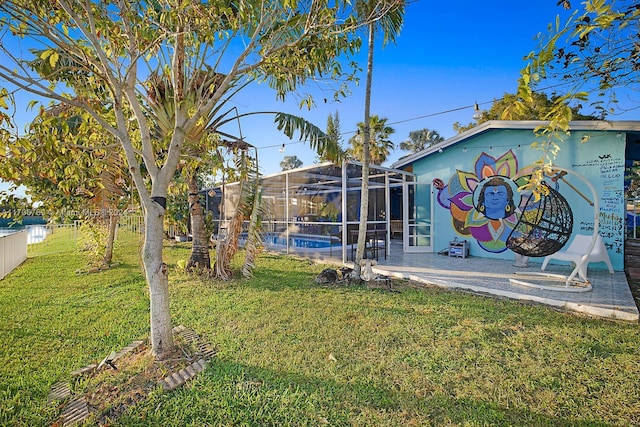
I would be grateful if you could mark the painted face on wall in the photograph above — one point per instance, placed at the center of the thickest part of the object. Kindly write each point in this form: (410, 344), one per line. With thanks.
(481, 202)
(496, 199)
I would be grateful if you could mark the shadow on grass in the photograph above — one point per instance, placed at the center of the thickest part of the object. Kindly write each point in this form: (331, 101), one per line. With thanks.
(277, 272)
(230, 393)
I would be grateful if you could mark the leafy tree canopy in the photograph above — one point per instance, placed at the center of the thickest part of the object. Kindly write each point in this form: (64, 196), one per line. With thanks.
(66, 164)
(333, 133)
(290, 162)
(103, 58)
(594, 54)
(507, 108)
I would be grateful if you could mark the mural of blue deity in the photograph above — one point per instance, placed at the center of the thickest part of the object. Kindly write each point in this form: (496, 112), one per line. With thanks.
(485, 203)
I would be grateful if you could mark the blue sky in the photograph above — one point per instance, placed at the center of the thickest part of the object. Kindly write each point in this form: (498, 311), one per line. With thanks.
(448, 56)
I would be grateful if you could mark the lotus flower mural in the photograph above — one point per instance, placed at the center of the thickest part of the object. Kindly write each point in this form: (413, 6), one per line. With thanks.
(484, 203)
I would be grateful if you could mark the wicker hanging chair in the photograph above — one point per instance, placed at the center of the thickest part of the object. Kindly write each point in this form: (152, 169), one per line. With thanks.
(544, 226)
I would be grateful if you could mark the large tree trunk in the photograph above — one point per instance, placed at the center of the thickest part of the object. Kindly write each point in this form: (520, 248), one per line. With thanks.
(366, 158)
(157, 276)
(113, 225)
(199, 258)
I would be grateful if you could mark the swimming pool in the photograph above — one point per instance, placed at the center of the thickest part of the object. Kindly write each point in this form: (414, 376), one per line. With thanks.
(300, 241)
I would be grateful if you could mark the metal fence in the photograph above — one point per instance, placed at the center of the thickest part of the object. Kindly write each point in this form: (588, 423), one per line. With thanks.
(134, 223)
(16, 244)
(37, 234)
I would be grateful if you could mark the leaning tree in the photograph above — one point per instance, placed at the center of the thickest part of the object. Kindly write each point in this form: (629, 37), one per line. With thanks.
(101, 54)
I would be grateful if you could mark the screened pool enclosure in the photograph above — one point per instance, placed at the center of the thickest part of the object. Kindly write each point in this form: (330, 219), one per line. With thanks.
(315, 210)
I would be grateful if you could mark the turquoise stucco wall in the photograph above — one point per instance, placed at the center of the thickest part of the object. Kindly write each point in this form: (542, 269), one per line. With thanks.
(600, 160)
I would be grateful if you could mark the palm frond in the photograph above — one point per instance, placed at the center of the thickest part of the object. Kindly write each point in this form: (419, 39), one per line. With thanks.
(228, 247)
(386, 17)
(324, 146)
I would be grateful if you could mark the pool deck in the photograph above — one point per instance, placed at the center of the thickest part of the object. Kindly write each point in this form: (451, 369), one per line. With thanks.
(610, 296)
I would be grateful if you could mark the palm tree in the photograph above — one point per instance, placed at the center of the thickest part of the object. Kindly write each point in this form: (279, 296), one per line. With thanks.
(196, 150)
(387, 17)
(379, 144)
(197, 87)
(421, 139)
(247, 206)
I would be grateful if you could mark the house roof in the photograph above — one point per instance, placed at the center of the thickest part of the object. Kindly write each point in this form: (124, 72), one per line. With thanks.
(510, 124)
(328, 177)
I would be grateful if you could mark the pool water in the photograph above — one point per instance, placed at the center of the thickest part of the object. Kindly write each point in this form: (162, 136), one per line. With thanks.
(299, 241)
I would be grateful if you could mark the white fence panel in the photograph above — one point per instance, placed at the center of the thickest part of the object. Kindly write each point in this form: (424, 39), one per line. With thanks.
(13, 251)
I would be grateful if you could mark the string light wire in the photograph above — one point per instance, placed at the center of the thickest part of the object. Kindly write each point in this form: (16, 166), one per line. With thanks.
(424, 116)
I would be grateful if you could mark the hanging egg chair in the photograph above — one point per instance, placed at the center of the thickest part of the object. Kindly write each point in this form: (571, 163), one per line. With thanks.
(544, 226)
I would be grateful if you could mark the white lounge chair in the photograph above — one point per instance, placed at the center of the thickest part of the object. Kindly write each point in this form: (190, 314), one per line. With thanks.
(577, 252)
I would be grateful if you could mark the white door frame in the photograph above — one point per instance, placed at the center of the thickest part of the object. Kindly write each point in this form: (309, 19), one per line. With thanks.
(411, 229)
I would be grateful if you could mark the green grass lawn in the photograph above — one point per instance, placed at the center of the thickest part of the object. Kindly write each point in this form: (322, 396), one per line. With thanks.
(291, 353)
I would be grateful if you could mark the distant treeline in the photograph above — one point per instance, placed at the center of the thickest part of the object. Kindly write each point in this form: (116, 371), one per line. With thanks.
(26, 220)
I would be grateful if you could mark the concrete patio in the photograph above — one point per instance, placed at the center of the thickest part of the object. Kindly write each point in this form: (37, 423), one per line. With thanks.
(610, 297)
